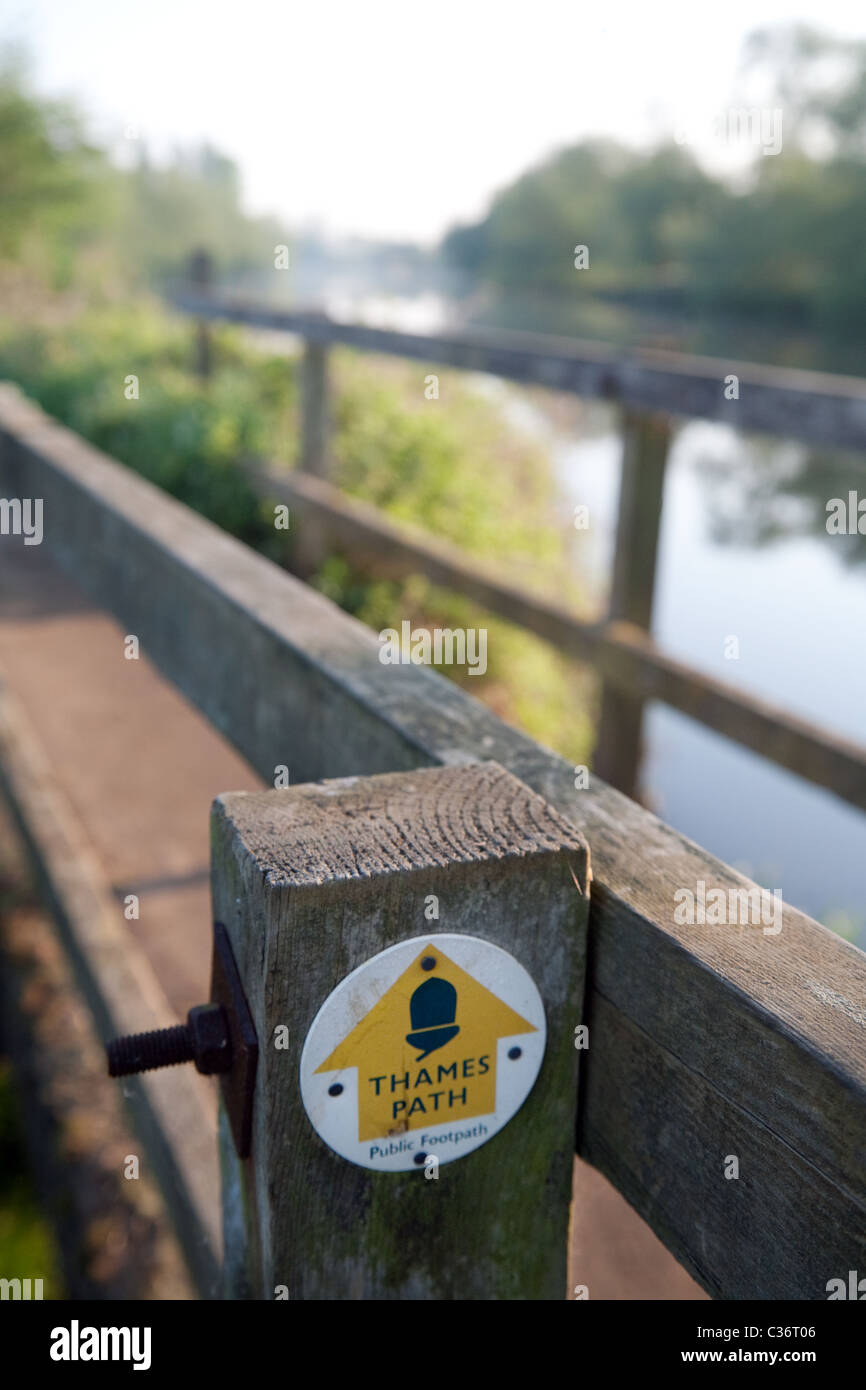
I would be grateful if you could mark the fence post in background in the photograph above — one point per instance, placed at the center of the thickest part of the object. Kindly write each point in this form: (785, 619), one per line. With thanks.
(315, 410)
(442, 866)
(309, 543)
(201, 278)
(646, 441)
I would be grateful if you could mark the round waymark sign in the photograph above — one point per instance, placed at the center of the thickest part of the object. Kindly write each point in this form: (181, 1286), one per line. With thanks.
(428, 1049)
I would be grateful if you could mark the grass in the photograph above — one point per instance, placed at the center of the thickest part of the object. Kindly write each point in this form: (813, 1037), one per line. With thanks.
(448, 465)
(28, 1248)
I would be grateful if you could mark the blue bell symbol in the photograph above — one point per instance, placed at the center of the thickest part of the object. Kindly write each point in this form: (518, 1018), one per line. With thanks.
(432, 1009)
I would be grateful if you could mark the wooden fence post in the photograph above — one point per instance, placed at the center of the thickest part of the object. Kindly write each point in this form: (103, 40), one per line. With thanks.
(201, 278)
(646, 440)
(312, 882)
(315, 410)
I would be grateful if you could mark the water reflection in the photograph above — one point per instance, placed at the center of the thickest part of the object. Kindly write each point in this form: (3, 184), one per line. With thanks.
(744, 551)
(761, 491)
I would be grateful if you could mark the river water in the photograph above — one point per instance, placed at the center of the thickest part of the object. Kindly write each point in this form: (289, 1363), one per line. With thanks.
(797, 609)
(745, 554)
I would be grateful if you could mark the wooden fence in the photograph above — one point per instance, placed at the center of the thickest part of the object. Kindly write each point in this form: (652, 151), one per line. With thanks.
(707, 1042)
(651, 388)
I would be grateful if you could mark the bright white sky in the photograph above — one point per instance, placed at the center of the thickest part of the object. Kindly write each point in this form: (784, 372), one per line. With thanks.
(395, 118)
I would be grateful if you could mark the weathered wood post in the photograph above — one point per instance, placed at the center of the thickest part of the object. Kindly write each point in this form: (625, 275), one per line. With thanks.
(315, 410)
(646, 440)
(309, 543)
(201, 278)
(465, 898)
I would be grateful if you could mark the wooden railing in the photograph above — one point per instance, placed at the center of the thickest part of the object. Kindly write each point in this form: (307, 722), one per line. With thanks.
(651, 387)
(707, 1042)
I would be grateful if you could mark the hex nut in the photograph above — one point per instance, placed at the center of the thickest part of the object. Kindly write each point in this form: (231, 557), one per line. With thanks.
(210, 1037)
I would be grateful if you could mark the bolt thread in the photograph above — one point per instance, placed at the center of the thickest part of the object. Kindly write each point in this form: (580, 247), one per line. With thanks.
(165, 1047)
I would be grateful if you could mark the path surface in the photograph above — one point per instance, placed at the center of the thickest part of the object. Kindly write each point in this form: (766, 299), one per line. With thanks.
(140, 768)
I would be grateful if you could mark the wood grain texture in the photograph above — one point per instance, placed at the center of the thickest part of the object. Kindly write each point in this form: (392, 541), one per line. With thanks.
(311, 882)
(290, 679)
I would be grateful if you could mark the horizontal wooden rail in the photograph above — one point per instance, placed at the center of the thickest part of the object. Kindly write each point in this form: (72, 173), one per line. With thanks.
(816, 407)
(707, 1041)
(622, 652)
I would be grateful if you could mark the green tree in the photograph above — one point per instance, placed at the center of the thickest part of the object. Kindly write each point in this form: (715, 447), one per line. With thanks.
(48, 172)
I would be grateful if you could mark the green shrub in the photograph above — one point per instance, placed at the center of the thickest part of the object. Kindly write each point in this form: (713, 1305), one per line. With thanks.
(452, 467)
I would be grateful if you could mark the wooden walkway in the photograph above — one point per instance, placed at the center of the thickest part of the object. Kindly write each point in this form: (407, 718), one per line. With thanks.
(115, 736)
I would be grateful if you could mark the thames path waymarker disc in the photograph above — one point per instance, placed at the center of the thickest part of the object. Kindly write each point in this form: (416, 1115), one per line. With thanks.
(412, 949)
(429, 1048)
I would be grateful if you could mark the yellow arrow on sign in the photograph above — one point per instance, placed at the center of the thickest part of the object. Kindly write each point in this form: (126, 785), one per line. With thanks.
(426, 1051)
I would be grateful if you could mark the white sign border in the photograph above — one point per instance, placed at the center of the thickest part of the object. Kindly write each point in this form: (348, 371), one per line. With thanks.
(335, 1118)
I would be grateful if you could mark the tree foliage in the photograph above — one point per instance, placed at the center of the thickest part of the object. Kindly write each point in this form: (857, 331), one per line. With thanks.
(47, 169)
(65, 205)
(786, 241)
